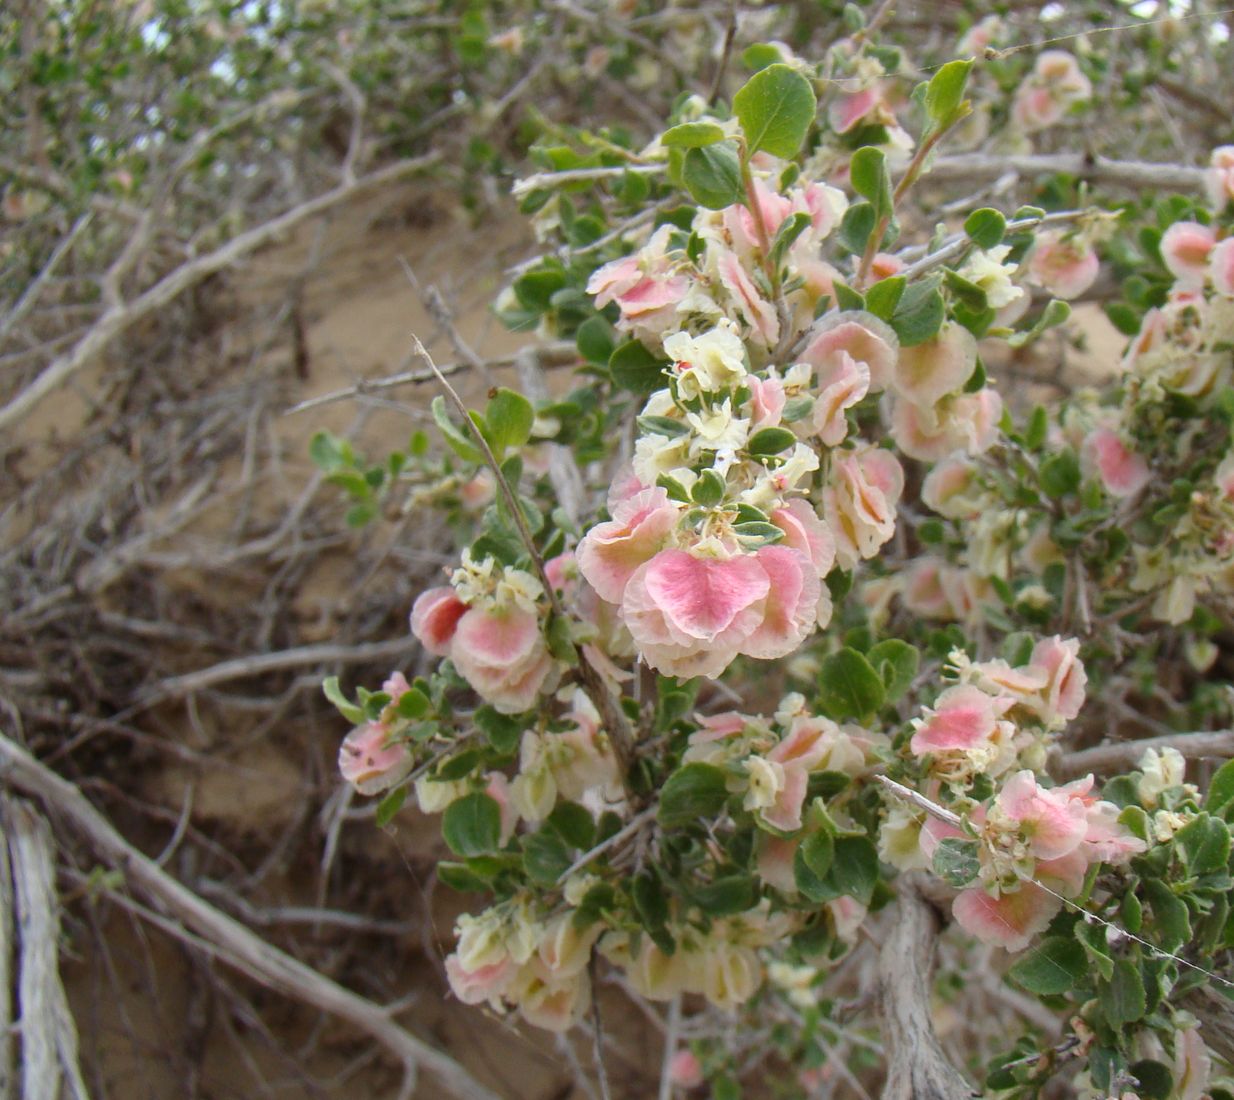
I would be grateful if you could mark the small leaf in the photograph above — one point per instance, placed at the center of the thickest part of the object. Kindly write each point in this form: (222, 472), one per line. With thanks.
(919, 314)
(1206, 842)
(1123, 997)
(790, 229)
(712, 175)
(325, 451)
(574, 824)
(775, 107)
(454, 436)
(634, 368)
(390, 805)
(1221, 788)
(883, 297)
(471, 825)
(849, 687)
(1060, 473)
(708, 490)
(692, 135)
(869, 177)
(503, 731)
(342, 704)
(818, 850)
(985, 227)
(595, 340)
(944, 97)
(896, 662)
(770, 441)
(856, 226)
(854, 871)
(955, 861)
(509, 417)
(726, 896)
(1056, 965)
(692, 792)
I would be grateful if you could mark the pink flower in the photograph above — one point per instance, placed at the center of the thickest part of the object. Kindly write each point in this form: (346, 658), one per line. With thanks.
(963, 717)
(434, 618)
(767, 400)
(774, 862)
(1185, 248)
(370, 762)
(691, 616)
(848, 110)
(1065, 266)
(1123, 472)
(611, 552)
(859, 502)
(806, 532)
(944, 486)
(859, 335)
(685, 1070)
(502, 654)
(936, 589)
(1219, 179)
(642, 284)
(1009, 921)
(926, 372)
(1221, 267)
(485, 983)
(498, 789)
(758, 313)
(965, 422)
(1035, 108)
(841, 387)
(1063, 695)
(1053, 823)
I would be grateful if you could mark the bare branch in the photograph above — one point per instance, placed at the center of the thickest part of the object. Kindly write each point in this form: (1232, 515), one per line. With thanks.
(1124, 755)
(120, 319)
(226, 937)
(917, 1067)
(1125, 173)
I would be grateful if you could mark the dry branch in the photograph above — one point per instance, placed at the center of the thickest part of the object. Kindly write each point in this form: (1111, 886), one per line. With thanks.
(230, 940)
(48, 1034)
(8, 1079)
(1121, 756)
(1124, 173)
(917, 1068)
(120, 318)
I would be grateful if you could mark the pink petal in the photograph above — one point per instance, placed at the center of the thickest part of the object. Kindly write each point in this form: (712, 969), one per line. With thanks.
(610, 552)
(1010, 921)
(791, 608)
(927, 372)
(1185, 247)
(804, 530)
(368, 763)
(862, 336)
(1123, 472)
(434, 618)
(963, 718)
(702, 596)
(843, 386)
(1221, 267)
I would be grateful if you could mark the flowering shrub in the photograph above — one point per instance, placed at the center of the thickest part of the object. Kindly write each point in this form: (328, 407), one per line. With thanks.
(821, 510)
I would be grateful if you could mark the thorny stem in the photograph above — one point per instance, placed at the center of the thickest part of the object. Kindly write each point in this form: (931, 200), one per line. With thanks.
(613, 718)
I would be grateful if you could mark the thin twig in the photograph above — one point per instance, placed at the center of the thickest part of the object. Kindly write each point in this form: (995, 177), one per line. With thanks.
(1126, 754)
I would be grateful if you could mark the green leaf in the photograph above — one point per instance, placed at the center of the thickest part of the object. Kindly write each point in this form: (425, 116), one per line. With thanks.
(1154, 1081)
(595, 340)
(1054, 966)
(725, 896)
(985, 227)
(458, 876)
(650, 900)
(1171, 920)
(1123, 997)
(870, 179)
(760, 55)
(883, 297)
(790, 229)
(634, 368)
(770, 441)
(545, 856)
(967, 294)
(1060, 473)
(708, 490)
(847, 297)
(1206, 842)
(1221, 789)
(412, 704)
(1092, 938)
(775, 108)
(818, 850)
(856, 227)
(955, 861)
(712, 175)
(471, 825)
(1054, 314)
(454, 436)
(944, 97)
(695, 791)
(503, 731)
(342, 704)
(896, 662)
(849, 687)
(692, 135)
(919, 314)
(325, 451)
(390, 805)
(574, 824)
(854, 871)
(509, 417)
(662, 425)
(1038, 428)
